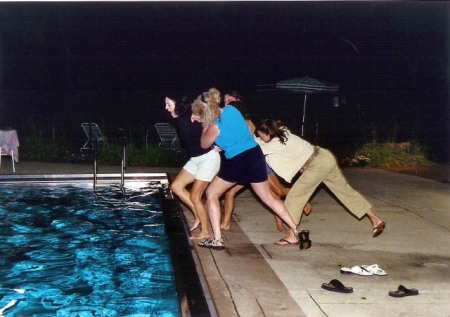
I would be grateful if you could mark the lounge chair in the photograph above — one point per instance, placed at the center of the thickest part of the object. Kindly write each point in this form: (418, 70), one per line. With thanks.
(168, 136)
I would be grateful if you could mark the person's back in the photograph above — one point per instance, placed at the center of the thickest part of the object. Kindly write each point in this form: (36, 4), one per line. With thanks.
(234, 137)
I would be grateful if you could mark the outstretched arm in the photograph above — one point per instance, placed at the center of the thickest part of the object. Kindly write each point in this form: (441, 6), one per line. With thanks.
(209, 135)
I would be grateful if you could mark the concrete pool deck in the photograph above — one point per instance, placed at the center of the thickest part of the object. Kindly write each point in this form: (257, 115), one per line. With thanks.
(253, 277)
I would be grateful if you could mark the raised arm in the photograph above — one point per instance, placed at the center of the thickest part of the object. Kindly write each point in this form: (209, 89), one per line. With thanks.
(209, 135)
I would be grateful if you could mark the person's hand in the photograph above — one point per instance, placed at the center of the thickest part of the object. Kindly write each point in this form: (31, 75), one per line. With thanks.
(217, 149)
(195, 117)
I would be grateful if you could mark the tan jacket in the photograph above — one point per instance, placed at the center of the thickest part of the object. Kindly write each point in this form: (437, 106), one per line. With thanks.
(286, 160)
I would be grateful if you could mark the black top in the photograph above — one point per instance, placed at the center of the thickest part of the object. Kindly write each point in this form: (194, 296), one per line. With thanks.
(190, 134)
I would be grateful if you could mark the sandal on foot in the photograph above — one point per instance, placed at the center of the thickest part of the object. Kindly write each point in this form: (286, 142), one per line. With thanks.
(337, 286)
(210, 243)
(379, 229)
(285, 242)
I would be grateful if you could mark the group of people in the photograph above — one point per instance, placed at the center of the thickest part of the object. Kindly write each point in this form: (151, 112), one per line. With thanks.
(227, 150)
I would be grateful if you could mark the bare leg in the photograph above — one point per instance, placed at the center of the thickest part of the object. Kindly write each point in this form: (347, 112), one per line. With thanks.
(213, 193)
(279, 191)
(198, 188)
(278, 207)
(178, 186)
(276, 187)
(230, 196)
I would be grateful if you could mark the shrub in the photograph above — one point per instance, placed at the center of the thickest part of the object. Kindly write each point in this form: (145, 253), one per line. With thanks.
(110, 153)
(389, 155)
(35, 146)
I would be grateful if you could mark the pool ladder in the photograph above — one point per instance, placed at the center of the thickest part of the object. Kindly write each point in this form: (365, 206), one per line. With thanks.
(123, 163)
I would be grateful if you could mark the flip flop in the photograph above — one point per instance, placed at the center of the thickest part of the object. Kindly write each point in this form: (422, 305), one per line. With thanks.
(403, 291)
(375, 269)
(379, 229)
(337, 286)
(358, 270)
(285, 242)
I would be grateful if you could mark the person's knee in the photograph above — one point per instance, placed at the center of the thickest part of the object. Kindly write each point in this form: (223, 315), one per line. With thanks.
(211, 195)
(195, 197)
(229, 195)
(176, 188)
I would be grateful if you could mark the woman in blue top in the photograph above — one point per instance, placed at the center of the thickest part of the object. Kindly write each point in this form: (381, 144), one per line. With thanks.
(244, 161)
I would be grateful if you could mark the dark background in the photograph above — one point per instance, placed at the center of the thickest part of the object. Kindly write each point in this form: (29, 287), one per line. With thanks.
(63, 63)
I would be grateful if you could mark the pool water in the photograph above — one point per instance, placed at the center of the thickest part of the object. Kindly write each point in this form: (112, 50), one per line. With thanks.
(67, 251)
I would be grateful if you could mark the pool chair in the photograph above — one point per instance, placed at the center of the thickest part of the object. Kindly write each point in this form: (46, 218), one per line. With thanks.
(168, 136)
(93, 134)
(5, 152)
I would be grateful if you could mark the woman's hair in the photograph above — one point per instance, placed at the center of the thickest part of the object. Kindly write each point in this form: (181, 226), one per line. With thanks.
(181, 104)
(273, 128)
(235, 94)
(207, 106)
(239, 105)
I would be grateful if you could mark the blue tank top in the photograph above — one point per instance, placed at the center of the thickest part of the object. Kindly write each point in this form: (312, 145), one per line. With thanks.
(234, 137)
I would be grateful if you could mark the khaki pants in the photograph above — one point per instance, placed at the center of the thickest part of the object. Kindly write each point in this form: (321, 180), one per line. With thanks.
(324, 168)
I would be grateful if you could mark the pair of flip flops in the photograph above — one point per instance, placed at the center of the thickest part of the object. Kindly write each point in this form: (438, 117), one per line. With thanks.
(364, 270)
(337, 286)
(403, 291)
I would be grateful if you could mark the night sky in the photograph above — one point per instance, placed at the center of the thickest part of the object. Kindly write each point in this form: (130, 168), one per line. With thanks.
(113, 62)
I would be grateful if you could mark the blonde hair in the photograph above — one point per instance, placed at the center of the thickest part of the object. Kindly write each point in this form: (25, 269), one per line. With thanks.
(207, 106)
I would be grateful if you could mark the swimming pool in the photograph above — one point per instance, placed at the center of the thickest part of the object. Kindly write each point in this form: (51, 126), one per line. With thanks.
(69, 251)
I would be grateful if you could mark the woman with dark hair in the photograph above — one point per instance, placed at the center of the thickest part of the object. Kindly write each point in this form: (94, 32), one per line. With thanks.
(201, 168)
(243, 163)
(288, 155)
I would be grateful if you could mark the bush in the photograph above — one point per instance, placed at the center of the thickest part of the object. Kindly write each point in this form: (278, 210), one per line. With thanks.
(36, 147)
(389, 155)
(110, 153)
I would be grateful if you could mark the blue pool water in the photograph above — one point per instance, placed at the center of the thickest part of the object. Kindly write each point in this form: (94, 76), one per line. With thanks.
(66, 251)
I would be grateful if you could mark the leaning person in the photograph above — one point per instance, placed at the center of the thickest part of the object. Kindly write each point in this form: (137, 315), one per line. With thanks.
(243, 163)
(287, 154)
(234, 99)
(203, 165)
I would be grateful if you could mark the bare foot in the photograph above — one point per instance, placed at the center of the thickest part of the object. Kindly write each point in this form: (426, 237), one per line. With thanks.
(200, 236)
(290, 239)
(283, 229)
(225, 226)
(195, 225)
(307, 209)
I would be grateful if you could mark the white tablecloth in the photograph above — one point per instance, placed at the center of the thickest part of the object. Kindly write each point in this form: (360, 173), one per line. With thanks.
(10, 141)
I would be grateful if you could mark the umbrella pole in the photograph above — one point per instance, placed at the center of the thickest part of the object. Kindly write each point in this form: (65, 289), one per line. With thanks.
(304, 112)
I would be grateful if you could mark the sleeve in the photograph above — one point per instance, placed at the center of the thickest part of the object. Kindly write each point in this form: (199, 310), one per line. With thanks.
(269, 148)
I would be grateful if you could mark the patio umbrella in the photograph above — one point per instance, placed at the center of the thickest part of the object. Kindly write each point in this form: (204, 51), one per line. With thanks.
(307, 86)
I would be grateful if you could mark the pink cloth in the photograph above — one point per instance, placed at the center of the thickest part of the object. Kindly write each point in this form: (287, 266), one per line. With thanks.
(9, 141)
